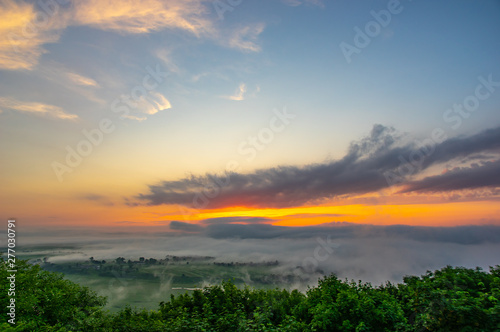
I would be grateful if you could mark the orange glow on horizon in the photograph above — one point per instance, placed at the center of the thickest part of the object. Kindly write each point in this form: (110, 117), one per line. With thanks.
(443, 214)
(84, 212)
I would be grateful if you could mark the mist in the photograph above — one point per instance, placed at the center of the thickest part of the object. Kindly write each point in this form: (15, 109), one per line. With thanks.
(374, 254)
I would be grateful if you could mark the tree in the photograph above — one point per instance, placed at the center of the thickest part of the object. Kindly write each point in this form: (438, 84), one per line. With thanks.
(120, 260)
(46, 299)
(450, 299)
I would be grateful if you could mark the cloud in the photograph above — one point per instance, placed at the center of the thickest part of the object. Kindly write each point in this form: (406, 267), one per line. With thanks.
(36, 108)
(256, 228)
(153, 103)
(371, 164)
(487, 174)
(462, 147)
(165, 56)
(68, 79)
(466, 235)
(82, 80)
(23, 31)
(245, 38)
(140, 17)
(149, 104)
(96, 198)
(256, 91)
(135, 118)
(239, 94)
(147, 16)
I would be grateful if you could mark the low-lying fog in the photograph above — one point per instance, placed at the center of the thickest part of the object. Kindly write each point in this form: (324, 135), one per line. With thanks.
(369, 253)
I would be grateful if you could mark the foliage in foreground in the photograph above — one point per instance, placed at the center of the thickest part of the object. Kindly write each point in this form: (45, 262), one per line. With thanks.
(450, 299)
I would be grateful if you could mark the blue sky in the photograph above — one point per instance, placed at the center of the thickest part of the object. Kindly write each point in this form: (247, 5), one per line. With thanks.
(223, 77)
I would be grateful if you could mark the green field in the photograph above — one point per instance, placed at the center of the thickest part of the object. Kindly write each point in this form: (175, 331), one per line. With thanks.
(146, 282)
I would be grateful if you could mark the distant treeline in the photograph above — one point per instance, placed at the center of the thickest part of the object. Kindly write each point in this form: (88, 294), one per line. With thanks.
(142, 260)
(450, 299)
(270, 263)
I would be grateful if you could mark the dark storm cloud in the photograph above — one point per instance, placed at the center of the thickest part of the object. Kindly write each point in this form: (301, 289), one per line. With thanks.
(485, 175)
(371, 164)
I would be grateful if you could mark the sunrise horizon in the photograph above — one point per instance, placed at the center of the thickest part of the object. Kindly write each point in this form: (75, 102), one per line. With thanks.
(256, 129)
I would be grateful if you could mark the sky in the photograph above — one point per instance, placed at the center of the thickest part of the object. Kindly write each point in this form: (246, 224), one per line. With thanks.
(254, 119)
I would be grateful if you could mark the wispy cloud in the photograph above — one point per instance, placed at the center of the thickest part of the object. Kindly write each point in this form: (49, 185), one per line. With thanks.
(239, 94)
(22, 35)
(135, 118)
(256, 91)
(154, 103)
(68, 79)
(138, 17)
(96, 198)
(245, 38)
(165, 56)
(36, 108)
(150, 104)
(362, 170)
(82, 80)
